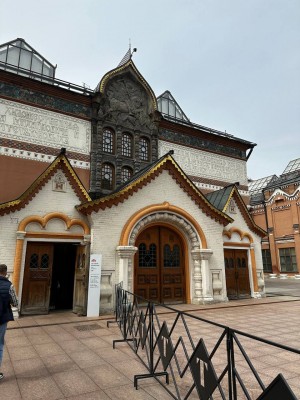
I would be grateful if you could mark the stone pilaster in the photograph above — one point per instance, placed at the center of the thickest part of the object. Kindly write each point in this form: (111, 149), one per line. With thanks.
(207, 290)
(197, 296)
(125, 254)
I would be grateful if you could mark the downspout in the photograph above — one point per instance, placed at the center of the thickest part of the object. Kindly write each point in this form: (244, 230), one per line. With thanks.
(267, 225)
(250, 152)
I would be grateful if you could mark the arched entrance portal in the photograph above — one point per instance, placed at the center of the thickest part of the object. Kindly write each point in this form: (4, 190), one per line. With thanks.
(50, 266)
(159, 270)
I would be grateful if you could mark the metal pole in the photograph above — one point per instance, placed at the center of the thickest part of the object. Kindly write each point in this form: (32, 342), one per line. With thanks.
(151, 337)
(228, 345)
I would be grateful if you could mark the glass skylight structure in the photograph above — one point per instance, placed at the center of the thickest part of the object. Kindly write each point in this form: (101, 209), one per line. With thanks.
(293, 165)
(18, 57)
(168, 106)
(258, 185)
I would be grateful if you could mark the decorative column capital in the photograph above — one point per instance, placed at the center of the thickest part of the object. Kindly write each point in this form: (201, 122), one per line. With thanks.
(21, 235)
(196, 255)
(126, 251)
(86, 239)
(206, 254)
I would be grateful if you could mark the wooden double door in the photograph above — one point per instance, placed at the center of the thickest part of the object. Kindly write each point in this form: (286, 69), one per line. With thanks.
(159, 273)
(54, 278)
(237, 273)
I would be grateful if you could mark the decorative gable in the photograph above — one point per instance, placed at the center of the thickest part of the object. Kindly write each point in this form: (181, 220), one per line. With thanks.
(59, 173)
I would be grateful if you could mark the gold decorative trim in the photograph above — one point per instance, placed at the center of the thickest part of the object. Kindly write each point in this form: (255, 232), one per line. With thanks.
(123, 67)
(228, 200)
(155, 169)
(43, 222)
(229, 232)
(132, 221)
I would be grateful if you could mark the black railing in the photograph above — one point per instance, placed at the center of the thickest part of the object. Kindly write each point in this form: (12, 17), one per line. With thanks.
(192, 357)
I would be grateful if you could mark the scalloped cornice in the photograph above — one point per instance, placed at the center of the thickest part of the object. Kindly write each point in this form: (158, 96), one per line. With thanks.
(280, 192)
(169, 164)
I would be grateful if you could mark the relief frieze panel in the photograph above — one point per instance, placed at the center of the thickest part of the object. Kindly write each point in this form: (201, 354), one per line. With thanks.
(201, 164)
(201, 143)
(126, 104)
(44, 100)
(32, 125)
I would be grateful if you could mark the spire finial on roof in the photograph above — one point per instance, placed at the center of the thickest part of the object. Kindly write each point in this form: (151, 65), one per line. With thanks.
(128, 55)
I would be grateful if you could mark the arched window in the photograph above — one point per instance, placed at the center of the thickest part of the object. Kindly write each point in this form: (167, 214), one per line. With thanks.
(126, 174)
(147, 258)
(108, 141)
(144, 149)
(171, 257)
(126, 145)
(107, 176)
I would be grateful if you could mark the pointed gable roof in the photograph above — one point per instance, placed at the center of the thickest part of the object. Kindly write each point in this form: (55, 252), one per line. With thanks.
(130, 67)
(20, 56)
(169, 107)
(221, 199)
(144, 177)
(60, 163)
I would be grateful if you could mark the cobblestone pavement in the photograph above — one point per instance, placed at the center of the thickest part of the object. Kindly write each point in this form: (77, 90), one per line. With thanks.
(63, 356)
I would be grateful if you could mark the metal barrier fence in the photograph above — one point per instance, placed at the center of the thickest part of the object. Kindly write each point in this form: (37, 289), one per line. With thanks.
(194, 358)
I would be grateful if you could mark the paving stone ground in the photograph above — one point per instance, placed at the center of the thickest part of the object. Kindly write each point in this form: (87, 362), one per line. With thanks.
(63, 356)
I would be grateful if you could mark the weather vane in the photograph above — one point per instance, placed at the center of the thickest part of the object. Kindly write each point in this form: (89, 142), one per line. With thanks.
(133, 50)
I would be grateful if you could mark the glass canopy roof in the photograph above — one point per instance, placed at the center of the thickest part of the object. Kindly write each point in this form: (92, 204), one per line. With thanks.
(258, 185)
(168, 106)
(19, 57)
(293, 165)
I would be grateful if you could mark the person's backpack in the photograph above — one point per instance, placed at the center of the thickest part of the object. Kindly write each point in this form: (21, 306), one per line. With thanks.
(1, 308)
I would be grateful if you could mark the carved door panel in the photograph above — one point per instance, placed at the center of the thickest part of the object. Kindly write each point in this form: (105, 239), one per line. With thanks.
(80, 290)
(147, 276)
(237, 273)
(159, 266)
(171, 267)
(37, 278)
(243, 273)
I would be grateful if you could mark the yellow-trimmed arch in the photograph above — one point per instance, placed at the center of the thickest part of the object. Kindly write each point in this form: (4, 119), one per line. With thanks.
(132, 221)
(55, 215)
(229, 232)
(43, 223)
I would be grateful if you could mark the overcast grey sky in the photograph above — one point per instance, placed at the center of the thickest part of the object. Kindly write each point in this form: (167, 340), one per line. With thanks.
(231, 65)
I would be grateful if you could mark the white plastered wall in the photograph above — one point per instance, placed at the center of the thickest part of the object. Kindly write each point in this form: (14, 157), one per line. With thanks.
(107, 225)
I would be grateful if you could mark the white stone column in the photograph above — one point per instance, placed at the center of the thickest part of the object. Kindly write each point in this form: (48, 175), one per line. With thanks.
(207, 292)
(197, 297)
(125, 254)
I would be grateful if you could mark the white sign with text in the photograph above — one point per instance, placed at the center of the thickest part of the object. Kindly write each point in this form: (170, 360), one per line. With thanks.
(93, 306)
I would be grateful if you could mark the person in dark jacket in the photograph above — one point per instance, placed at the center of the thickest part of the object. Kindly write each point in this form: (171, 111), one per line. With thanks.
(8, 298)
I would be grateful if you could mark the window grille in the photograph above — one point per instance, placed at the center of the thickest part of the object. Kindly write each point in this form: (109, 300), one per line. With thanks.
(107, 175)
(288, 261)
(267, 262)
(126, 174)
(147, 258)
(126, 145)
(144, 149)
(108, 141)
(171, 257)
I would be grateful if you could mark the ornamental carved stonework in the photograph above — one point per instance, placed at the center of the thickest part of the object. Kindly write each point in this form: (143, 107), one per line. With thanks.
(126, 104)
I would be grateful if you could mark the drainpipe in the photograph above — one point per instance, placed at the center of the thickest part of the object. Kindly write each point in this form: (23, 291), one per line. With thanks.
(267, 225)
